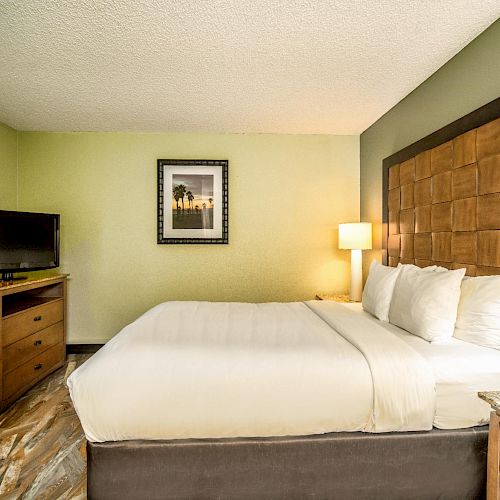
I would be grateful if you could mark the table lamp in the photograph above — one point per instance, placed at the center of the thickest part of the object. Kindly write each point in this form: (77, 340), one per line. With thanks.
(356, 237)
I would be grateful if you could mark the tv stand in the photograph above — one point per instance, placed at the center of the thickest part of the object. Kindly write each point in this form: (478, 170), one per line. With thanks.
(6, 276)
(32, 333)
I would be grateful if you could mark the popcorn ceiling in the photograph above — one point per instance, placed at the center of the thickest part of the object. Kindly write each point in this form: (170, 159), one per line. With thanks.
(303, 66)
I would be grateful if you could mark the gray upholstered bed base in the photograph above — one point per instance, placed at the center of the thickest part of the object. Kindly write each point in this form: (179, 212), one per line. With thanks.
(445, 464)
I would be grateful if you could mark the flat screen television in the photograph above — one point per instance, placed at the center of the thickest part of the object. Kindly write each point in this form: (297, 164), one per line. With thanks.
(28, 242)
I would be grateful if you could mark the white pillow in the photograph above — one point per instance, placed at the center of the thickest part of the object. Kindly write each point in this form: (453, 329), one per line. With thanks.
(427, 269)
(379, 286)
(478, 319)
(425, 303)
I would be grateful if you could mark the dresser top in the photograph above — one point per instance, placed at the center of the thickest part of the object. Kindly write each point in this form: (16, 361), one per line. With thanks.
(7, 286)
(492, 398)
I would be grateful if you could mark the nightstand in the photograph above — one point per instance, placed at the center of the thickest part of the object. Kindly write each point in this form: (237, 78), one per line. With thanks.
(334, 298)
(493, 485)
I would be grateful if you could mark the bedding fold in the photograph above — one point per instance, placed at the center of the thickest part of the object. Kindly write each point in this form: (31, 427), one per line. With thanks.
(404, 395)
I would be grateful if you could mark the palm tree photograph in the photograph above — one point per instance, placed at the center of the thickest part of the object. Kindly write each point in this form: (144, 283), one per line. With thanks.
(192, 201)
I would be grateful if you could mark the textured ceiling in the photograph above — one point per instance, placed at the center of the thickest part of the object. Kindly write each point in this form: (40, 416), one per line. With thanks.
(289, 66)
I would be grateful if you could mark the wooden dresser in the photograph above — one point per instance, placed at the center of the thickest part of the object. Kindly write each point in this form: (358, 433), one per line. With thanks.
(32, 333)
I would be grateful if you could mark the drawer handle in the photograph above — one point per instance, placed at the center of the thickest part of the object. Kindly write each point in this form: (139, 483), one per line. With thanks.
(37, 342)
(37, 318)
(38, 366)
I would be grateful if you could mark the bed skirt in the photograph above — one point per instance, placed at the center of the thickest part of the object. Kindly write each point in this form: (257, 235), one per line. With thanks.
(445, 464)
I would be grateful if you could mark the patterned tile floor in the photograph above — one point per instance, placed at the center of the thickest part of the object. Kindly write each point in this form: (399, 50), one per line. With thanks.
(42, 445)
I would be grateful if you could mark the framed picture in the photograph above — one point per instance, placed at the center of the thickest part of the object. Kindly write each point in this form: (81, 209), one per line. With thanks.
(192, 201)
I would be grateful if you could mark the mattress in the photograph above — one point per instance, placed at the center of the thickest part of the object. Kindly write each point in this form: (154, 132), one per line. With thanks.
(218, 370)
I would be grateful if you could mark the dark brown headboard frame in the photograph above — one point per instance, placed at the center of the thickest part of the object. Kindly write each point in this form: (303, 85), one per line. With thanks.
(477, 118)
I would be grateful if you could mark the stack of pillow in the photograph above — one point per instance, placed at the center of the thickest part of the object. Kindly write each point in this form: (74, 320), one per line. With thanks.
(435, 303)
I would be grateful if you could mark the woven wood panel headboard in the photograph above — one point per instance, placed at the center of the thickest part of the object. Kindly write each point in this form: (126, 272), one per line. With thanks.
(442, 204)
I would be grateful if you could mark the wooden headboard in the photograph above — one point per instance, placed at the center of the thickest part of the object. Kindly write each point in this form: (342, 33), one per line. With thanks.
(442, 197)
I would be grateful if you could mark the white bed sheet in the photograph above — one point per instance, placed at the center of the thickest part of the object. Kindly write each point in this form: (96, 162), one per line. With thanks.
(212, 370)
(460, 369)
(200, 370)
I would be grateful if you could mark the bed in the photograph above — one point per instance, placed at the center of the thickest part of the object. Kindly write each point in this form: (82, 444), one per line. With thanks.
(290, 382)
(303, 400)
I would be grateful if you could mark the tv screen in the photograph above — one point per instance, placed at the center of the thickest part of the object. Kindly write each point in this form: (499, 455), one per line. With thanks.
(28, 241)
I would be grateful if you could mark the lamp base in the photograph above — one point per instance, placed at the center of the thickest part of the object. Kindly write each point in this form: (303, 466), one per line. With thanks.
(356, 275)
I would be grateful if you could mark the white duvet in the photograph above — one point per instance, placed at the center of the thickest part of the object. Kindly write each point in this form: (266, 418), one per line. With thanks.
(200, 369)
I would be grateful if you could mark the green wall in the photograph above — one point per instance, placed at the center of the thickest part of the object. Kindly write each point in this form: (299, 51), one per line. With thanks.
(287, 194)
(466, 82)
(8, 168)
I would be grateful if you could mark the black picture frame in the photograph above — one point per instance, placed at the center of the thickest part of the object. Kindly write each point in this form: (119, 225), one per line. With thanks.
(164, 203)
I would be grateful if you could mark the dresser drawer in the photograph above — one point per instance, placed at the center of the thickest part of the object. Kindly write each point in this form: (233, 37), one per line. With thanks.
(20, 325)
(23, 350)
(34, 369)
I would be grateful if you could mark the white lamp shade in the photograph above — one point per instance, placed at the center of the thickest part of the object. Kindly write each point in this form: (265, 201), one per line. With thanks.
(355, 236)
